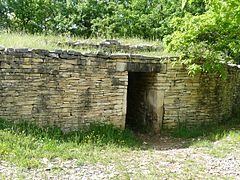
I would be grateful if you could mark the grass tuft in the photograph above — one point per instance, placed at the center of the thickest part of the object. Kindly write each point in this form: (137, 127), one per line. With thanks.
(28, 146)
(25, 144)
(211, 131)
(96, 133)
(217, 140)
(51, 42)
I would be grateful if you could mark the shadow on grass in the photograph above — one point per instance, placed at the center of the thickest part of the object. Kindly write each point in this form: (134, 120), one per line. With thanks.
(98, 134)
(184, 137)
(211, 131)
(102, 134)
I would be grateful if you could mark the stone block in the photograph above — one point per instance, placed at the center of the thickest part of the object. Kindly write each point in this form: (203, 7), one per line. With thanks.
(78, 89)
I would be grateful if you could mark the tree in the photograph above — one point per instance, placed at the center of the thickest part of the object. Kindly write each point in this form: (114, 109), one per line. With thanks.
(208, 41)
(28, 15)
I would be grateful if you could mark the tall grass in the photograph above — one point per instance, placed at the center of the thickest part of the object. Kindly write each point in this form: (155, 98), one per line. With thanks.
(99, 134)
(50, 42)
(14, 39)
(22, 40)
(212, 131)
(25, 144)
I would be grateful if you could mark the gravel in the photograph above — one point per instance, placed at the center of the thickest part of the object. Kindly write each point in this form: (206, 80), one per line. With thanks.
(185, 163)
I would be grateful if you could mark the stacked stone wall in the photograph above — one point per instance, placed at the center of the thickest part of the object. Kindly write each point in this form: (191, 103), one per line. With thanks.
(195, 100)
(113, 46)
(70, 89)
(67, 91)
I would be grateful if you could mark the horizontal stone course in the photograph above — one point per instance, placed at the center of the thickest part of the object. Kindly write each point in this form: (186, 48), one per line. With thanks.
(72, 89)
(69, 54)
(112, 45)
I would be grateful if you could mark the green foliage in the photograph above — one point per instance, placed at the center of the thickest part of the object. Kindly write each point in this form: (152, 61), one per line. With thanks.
(211, 131)
(98, 134)
(27, 15)
(204, 33)
(134, 18)
(207, 41)
(25, 144)
(139, 18)
(200, 131)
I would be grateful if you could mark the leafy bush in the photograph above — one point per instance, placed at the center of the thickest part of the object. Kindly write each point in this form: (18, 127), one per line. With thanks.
(134, 18)
(208, 41)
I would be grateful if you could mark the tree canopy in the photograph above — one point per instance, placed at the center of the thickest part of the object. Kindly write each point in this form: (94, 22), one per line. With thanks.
(206, 33)
(109, 18)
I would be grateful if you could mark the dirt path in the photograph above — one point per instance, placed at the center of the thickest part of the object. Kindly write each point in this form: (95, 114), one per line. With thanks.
(161, 142)
(159, 158)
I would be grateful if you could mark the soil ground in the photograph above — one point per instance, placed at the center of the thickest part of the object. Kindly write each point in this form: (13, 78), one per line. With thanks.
(160, 157)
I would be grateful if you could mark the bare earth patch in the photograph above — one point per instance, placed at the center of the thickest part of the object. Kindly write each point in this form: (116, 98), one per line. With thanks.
(158, 158)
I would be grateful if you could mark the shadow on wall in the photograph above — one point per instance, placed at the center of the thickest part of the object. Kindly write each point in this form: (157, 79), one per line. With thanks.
(144, 103)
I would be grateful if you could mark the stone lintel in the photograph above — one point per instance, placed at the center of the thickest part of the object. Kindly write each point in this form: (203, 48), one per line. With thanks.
(146, 67)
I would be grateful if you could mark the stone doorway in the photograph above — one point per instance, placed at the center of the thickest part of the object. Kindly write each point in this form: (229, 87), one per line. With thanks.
(144, 102)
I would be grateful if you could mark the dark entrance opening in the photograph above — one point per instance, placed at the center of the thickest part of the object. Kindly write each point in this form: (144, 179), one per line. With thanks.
(144, 103)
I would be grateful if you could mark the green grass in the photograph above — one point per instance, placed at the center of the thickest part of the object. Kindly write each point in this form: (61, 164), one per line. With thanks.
(21, 39)
(25, 144)
(212, 131)
(219, 144)
(50, 42)
(216, 140)
(193, 132)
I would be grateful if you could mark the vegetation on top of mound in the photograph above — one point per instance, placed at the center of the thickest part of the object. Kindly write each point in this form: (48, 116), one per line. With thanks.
(205, 33)
(53, 42)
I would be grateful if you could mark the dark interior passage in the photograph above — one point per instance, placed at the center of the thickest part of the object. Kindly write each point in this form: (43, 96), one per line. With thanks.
(141, 102)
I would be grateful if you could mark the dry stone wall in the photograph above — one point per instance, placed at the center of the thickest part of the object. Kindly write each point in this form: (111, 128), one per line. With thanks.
(70, 89)
(200, 99)
(67, 88)
(112, 46)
